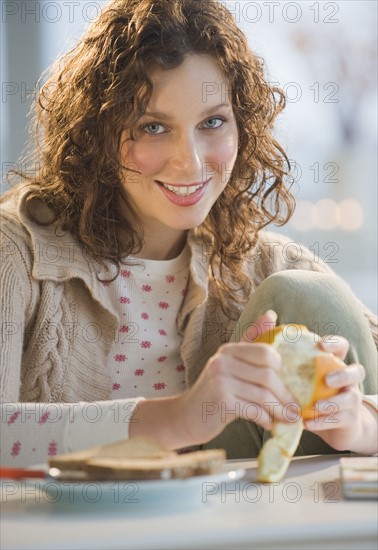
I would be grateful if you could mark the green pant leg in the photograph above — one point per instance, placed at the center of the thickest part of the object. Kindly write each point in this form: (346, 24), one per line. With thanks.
(326, 305)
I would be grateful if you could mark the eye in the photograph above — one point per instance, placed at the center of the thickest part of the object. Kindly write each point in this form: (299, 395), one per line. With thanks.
(154, 128)
(214, 122)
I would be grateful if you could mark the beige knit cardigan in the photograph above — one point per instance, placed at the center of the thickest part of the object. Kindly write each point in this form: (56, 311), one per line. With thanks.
(57, 324)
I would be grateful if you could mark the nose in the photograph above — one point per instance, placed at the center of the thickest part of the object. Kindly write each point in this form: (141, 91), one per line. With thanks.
(187, 158)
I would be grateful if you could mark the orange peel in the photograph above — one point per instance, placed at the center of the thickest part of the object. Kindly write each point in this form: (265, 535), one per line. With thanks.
(304, 369)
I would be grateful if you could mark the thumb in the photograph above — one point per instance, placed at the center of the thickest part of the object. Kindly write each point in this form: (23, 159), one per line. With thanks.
(265, 322)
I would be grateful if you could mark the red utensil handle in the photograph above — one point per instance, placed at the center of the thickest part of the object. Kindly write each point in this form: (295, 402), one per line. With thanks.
(20, 473)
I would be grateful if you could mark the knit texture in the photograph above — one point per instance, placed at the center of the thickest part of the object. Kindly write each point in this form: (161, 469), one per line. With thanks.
(58, 324)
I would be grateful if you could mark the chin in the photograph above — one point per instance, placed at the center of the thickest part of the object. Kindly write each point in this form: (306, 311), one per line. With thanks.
(186, 225)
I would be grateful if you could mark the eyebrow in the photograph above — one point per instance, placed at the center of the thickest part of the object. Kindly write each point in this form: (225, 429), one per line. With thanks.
(164, 116)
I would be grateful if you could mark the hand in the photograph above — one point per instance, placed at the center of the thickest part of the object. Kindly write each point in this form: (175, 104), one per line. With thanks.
(343, 421)
(240, 381)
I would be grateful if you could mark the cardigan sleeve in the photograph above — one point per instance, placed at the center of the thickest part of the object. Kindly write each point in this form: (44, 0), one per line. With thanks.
(15, 300)
(31, 432)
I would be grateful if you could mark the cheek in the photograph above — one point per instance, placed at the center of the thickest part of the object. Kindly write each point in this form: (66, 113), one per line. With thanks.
(146, 159)
(224, 152)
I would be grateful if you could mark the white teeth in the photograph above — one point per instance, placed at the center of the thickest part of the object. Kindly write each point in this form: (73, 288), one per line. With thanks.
(184, 190)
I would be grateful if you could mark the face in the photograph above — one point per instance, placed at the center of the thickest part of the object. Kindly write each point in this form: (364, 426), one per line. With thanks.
(184, 149)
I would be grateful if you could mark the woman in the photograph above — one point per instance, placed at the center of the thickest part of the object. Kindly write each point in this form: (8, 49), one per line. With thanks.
(136, 270)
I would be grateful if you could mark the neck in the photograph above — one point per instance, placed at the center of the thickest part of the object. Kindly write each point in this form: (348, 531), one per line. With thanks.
(159, 242)
(161, 247)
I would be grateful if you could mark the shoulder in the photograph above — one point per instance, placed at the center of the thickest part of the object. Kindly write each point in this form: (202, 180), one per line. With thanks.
(276, 252)
(28, 227)
(16, 256)
(19, 234)
(15, 240)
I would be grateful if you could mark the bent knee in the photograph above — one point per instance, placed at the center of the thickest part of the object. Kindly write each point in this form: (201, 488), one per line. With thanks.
(304, 288)
(296, 280)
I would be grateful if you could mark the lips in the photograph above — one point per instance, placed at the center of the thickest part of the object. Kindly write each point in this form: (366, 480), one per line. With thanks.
(183, 200)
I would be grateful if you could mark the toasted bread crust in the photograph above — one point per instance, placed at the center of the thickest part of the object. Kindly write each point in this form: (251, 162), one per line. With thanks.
(136, 447)
(178, 466)
(139, 458)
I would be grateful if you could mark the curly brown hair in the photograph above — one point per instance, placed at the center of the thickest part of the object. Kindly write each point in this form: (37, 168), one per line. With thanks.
(102, 86)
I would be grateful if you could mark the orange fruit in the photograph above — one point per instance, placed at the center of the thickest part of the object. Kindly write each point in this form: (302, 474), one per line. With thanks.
(304, 368)
(304, 364)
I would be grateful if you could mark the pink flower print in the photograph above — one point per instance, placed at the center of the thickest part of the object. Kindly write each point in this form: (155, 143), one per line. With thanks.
(159, 386)
(145, 344)
(139, 372)
(124, 328)
(13, 418)
(105, 283)
(163, 305)
(120, 357)
(16, 447)
(125, 273)
(124, 300)
(44, 418)
(183, 292)
(180, 368)
(146, 288)
(162, 332)
(144, 315)
(162, 358)
(53, 448)
(170, 278)
(116, 386)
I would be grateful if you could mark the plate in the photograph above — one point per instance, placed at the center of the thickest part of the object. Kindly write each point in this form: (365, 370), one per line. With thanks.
(132, 493)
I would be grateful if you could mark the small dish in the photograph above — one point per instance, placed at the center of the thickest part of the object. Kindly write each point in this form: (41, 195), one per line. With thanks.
(134, 492)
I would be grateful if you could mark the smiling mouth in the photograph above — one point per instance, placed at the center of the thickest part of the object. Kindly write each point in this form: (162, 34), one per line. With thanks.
(182, 190)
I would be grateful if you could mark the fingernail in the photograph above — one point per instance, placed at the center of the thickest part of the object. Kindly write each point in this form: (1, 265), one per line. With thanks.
(272, 313)
(331, 343)
(332, 380)
(330, 346)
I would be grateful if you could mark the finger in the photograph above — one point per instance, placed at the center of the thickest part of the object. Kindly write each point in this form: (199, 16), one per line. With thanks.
(265, 322)
(254, 354)
(265, 378)
(347, 376)
(253, 412)
(270, 412)
(265, 399)
(344, 419)
(224, 366)
(329, 411)
(349, 398)
(338, 345)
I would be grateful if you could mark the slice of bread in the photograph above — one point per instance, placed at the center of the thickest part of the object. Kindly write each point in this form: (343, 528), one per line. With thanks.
(138, 458)
(179, 466)
(136, 447)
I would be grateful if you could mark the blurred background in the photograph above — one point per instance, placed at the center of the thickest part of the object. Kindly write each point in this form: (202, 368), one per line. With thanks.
(324, 56)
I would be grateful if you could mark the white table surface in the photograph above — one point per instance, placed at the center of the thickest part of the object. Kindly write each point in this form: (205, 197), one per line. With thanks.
(306, 510)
